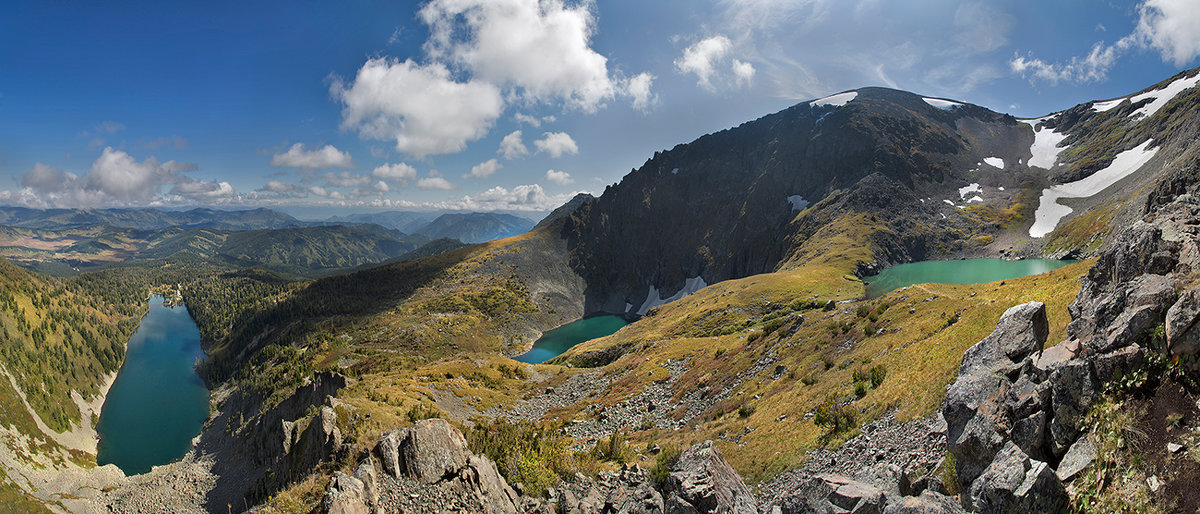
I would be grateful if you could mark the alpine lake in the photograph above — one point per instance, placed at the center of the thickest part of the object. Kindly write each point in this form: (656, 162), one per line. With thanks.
(561, 339)
(965, 271)
(157, 404)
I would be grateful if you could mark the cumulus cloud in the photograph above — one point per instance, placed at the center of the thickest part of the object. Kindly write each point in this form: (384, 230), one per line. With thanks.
(434, 182)
(400, 172)
(346, 179)
(561, 178)
(512, 146)
(381, 187)
(421, 107)
(525, 118)
(541, 48)
(327, 156)
(485, 168)
(117, 179)
(1172, 27)
(556, 144)
(277, 186)
(706, 59)
(530, 197)
(639, 89)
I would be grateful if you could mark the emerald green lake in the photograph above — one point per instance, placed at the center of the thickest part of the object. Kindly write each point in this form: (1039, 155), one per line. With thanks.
(561, 339)
(158, 403)
(967, 271)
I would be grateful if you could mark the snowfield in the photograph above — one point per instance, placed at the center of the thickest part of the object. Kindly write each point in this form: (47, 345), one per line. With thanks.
(944, 105)
(1163, 96)
(837, 100)
(653, 299)
(1106, 106)
(1050, 212)
(994, 161)
(1045, 147)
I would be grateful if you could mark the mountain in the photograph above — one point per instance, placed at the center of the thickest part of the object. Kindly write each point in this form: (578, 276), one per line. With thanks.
(304, 251)
(566, 209)
(404, 221)
(476, 227)
(146, 219)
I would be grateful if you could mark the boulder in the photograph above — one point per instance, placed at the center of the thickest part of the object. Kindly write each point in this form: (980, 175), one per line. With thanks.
(320, 439)
(346, 495)
(1015, 483)
(429, 451)
(1077, 459)
(830, 493)
(365, 472)
(974, 409)
(703, 479)
(928, 503)
(1072, 391)
(1029, 434)
(1122, 362)
(1183, 338)
(1127, 329)
(483, 478)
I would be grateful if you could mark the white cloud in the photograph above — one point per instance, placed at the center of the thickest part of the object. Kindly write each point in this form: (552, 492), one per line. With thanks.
(541, 48)
(346, 179)
(117, 179)
(702, 57)
(277, 186)
(1170, 26)
(401, 172)
(325, 157)
(318, 190)
(434, 183)
(639, 88)
(525, 118)
(381, 187)
(744, 72)
(556, 144)
(561, 178)
(1091, 68)
(707, 60)
(530, 197)
(421, 107)
(512, 146)
(485, 168)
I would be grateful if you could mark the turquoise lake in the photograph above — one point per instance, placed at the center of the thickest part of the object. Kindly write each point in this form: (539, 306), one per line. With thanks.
(158, 403)
(561, 339)
(967, 271)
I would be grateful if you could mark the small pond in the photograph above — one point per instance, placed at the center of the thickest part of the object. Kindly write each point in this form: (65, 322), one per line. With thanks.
(158, 403)
(966, 271)
(561, 339)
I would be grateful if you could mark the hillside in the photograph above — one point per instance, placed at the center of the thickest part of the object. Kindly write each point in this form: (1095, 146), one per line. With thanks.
(146, 219)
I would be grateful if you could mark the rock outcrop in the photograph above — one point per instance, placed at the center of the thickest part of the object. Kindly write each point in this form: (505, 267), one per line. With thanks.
(703, 481)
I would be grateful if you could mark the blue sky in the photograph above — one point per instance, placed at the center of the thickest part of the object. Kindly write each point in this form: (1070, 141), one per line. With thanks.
(329, 107)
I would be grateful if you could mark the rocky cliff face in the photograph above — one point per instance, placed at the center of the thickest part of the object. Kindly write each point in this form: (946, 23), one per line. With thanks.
(723, 206)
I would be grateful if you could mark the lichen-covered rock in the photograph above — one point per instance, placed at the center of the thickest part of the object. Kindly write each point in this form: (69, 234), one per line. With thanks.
(429, 451)
(1077, 459)
(345, 495)
(830, 493)
(1015, 483)
(1183, 338)
(703, 479)
(929, 502)
(1073, 389)
(975, 408)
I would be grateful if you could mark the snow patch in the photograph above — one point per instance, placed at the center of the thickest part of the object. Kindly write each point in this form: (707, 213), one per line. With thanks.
(975, 198)
(948, 202)
(1106, 106)
(1045, 147)
(1050, 212)
(798, 202)
(944, 105)
(1163, 96)
(653, 299)
(1000, 188)
(994, 161)
(973, 187)
(837, 100)
(675, 171)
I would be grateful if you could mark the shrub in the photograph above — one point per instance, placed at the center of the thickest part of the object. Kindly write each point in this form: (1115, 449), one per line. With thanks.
(860, 389)
(612, 449)
(862, 311)
(833, 415)
(663, 463)
(808, 380)
(530, 453)
(746, 410)
(878, 373)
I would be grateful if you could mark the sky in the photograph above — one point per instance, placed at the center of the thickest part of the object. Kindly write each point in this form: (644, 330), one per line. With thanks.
(322, 108)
